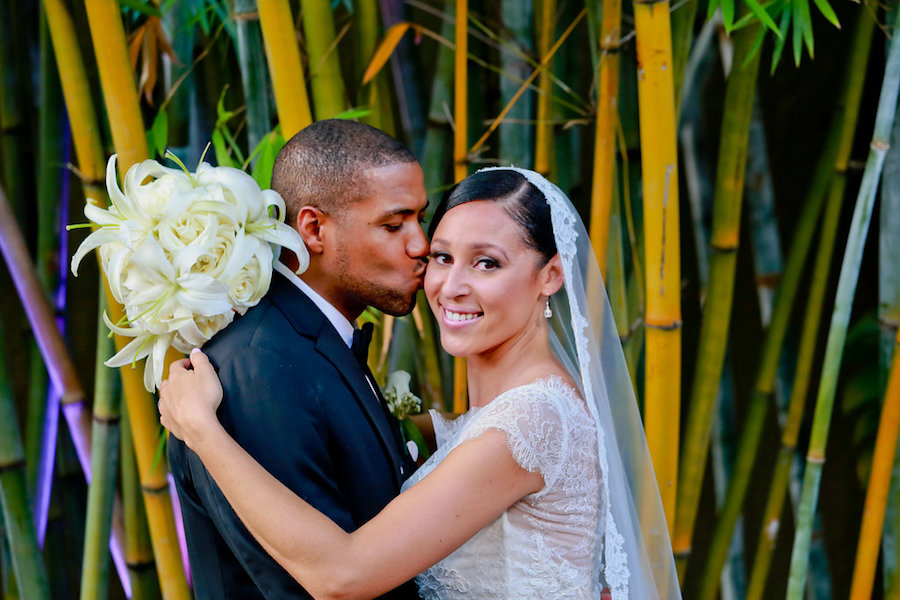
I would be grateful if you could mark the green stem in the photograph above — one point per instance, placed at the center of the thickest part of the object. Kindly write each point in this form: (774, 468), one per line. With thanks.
(728, 199)
(837, 333)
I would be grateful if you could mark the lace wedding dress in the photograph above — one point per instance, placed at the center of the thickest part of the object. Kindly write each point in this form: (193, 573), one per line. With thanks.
(546, 544)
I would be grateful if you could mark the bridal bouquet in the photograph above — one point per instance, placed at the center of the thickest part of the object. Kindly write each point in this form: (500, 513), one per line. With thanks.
(183, 252)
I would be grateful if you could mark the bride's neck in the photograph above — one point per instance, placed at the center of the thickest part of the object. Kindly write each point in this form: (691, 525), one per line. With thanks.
(510, 365)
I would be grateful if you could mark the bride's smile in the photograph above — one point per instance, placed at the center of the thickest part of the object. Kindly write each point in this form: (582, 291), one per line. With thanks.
(483, 280)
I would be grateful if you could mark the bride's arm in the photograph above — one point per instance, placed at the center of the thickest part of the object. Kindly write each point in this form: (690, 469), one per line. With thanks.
(467, 491)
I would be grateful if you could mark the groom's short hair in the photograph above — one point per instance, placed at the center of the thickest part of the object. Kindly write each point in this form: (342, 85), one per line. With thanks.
(323, 165)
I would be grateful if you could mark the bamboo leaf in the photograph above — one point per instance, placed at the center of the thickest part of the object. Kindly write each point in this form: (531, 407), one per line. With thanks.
(806, 20)
(711, 8)
(782, 39)
(385, 49)
(759, 11)
(827, 12)
(158, 134)
(798, 34)
(266, 152)
(728, 14)
(141, 7)
(353, 114)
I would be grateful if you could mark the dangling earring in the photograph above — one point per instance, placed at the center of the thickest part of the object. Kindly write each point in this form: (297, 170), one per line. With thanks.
(547, 312)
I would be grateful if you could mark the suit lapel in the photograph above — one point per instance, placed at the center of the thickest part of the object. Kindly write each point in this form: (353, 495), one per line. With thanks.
(308, 320)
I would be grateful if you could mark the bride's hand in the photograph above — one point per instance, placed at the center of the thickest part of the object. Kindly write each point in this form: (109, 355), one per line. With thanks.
(188, 399)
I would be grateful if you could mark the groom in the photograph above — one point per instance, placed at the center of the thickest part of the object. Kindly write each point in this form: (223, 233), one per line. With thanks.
(294, 395)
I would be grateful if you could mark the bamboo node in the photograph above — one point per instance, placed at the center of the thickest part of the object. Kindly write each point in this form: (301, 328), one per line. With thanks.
(11, 466)
(815, 459)
(724, 249)
(141, 566)
(106, 419)
(880, 145)
(250, 15)
(682, 553)
(156, 490)
(664, 326)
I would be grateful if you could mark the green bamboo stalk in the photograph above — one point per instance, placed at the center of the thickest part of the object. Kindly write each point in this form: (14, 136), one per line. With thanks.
(848, 108)
(728, 198)
(516, 130)
(862, 212)
(104, 462)
(327, 86)
(8, 588)
(27, 563)
(889, 318)
(818, 287)
(49, 166)
(375, 94)
(138, 546)
(12, 125)
(682, 35)
(436, 159)
(254, 78)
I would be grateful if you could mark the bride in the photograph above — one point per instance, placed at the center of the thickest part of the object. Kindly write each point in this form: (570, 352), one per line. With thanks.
(544, 489)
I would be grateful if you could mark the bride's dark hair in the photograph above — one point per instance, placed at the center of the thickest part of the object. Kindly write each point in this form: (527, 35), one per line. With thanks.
(521, 200)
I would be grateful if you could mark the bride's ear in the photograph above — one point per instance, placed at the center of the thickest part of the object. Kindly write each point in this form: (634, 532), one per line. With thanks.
(309, 225)
(552, 276)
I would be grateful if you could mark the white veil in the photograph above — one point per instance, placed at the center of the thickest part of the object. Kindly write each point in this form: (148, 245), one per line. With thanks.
(636, 559)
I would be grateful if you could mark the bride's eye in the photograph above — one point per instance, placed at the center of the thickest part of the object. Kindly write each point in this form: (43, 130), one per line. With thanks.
(487, 264)
(440, 258)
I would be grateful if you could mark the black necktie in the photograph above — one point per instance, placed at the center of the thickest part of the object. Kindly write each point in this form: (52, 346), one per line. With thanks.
(362, 337)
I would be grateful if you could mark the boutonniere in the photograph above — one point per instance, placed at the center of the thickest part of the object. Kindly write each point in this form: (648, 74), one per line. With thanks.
(402, 403)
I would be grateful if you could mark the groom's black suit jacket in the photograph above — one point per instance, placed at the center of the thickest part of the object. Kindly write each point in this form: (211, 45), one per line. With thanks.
(298, 402)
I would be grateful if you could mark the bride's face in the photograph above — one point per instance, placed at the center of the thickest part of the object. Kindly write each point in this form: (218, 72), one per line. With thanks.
(485, 286)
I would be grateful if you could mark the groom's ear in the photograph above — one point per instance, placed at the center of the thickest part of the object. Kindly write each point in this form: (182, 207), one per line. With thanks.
(309, 225)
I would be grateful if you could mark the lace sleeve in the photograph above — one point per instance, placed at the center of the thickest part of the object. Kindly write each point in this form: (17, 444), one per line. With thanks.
(533, 418)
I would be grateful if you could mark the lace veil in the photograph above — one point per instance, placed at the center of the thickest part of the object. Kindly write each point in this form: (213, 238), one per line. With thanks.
(636, 553)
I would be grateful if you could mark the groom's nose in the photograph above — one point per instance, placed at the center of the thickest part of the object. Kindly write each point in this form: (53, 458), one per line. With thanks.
(417, 244)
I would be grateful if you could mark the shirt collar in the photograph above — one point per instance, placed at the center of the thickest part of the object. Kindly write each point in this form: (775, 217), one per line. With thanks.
(343, 326)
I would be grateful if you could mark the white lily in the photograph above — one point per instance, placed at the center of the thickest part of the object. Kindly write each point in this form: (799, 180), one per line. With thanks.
(183, 253)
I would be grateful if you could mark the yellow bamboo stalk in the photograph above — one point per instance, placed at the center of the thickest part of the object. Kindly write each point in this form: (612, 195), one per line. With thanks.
(325, 80)
(283, 55)
(460, 158)
(662, 379)
(127, 127)
(543, 137)
(879, 485)
(605, 133)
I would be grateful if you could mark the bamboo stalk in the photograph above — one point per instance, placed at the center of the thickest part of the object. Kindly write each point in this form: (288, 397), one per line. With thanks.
(406, 80)
(662, 371)
(543, 131)
(49, 176)
(291, 100)
(516, 132)
(605, 135)
(889, 319)
(120, 95)
(435, 158)
(682, 35)
(884, 119)
(104, 462)
(800, 389)
(879, 485)
(728, 199)
(460, 159)
(366, 22)
(12, 125)
(847, 110)
(252, 61)
(320, 40)
(138, 548)
(25, 555)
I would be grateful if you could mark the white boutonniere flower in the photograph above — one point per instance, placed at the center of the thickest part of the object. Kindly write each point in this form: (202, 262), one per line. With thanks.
(402, 403)
(183, 252)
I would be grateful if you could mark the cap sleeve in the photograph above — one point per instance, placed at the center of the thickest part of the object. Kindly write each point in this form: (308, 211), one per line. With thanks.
(533, 419)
